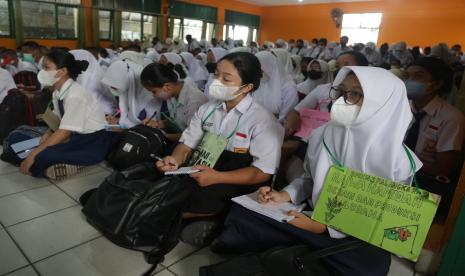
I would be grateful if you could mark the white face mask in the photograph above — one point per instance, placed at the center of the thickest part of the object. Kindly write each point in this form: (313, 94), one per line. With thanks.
(222, 92)
(47, 78)
(344, 114)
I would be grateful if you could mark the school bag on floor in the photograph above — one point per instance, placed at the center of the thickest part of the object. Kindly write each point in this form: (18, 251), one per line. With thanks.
(22, 133)
(137, 146)
(139, 209)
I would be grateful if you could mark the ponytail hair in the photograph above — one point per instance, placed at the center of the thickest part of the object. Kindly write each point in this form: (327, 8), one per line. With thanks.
(157, 75)
(64, 59)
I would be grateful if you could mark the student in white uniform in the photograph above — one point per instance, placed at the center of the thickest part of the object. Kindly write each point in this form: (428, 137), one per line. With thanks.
(6, 83)
(174, 59)
(32, 53)
(342, 47)
(317, 73)
(80, 139)
(213, 56)
(183, 98)
(277, 92)
(437, 134)
(135, 103)
(236, 140)
(297, 69)
(197, 73)
(369, 120)
(14, 65)
(285, 58)
(372, 55)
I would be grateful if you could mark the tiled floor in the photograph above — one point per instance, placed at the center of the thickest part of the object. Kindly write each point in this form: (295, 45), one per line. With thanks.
(43, 232)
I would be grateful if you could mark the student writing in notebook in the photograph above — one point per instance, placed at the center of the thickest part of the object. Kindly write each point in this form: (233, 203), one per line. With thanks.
(369, 119)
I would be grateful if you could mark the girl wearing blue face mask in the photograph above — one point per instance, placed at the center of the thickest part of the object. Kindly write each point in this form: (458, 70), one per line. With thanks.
(233, 141)
(438, 131)
(80, 139)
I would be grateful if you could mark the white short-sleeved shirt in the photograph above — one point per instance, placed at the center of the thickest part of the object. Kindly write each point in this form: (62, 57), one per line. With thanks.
(83, 113)
(258, 132)
(441, 129)
(189, 101)
(289, 99)
(6, 83)
(317, 99)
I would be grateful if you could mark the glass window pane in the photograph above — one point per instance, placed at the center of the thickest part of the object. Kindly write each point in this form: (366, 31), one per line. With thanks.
(150, 26)
(67, 22)
(231, 31)
(193, 27)
(177, 28)
(38, 19)
(105, 24)
(351, 20)
(240, 32)
(361, 35)
(254, 35)
(371, 20)
(131, 26)
(210, 30)
(4, 18)
(224, 32)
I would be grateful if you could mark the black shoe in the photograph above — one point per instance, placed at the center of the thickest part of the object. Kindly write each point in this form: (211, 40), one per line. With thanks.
(199, 233)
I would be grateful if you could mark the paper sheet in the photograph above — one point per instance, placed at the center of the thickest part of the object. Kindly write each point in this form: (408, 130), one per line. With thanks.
(310, 120)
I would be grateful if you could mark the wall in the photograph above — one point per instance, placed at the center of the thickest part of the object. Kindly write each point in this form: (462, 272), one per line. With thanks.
(418, 22)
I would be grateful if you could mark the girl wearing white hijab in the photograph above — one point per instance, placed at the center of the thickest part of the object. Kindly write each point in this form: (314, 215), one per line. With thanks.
(198, 74)
(240, 49)
(152, 55)
(91, 81)
(297, 69)
(400, 52)
(173, 59)
(372, 55)
(202, 57)
(285, 58)
(369, 120)
(317, 73)
(134, 57)
(329, 52)
(135, 102)
(277, 92)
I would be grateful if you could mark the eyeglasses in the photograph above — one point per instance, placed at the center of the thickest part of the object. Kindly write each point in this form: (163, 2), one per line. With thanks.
(350, 97)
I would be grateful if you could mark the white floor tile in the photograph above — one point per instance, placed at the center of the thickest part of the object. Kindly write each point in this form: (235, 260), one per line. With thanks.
(18, 182)
(7, 167)
(33, 203)
(190, 265)
(164, 273)
(88, 171)
(400, 267)
(50, 234)
(96, 258)
(179, 252)
(27, 271)
(75, 187)
(10, 256)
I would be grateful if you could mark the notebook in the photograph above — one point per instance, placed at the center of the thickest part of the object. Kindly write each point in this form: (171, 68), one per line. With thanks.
(182, 170)
(310, 120)
(24, 148)
(276, 211)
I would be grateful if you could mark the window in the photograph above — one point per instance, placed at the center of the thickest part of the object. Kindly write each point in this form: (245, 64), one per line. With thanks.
(254, 35)
(361, 27)
(131, 26)
(177, 28)
(238, 32)
(5, 29)
(105, 24)
(241, 26)
(150, 26)
(46, 20)
(210, 31)
(192, 27)
(67, 22)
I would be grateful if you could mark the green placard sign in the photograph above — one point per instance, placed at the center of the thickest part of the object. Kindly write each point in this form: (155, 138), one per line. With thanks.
(390, 215)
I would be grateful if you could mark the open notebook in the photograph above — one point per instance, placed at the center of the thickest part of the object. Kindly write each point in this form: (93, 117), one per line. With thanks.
(276, 211)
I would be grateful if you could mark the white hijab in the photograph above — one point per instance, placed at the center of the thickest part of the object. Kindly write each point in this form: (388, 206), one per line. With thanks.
(285, 58)
(297, 71)
(202, 57)
(269, 94)
(134, 57)
(308, 85)
(400, 51)
(153, 55)
(91, 80)
(174, 59)
(124, 75)
(373, 56)
(373, 144)
(196, 72)
(240, 49)
(218, 53)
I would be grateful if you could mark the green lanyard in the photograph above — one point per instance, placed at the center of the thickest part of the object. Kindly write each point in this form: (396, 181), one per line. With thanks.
(410, 157)
(213, 111)
(174, 113)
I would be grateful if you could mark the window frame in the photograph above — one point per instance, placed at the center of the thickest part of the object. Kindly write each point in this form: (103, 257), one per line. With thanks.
(361, 27)
(183, 34)
(111, 24)
(141, 23)
(10, 20)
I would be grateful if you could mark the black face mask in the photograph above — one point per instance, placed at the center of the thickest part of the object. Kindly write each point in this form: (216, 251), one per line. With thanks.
(314, 75)
(211, 67)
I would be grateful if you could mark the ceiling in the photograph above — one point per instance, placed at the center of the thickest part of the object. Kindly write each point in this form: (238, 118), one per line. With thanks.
(296, 2)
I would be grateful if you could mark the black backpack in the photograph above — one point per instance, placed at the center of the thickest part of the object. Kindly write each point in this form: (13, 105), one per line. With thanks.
(137, 146)
(13, 112)
(22, 133)
(139, 209)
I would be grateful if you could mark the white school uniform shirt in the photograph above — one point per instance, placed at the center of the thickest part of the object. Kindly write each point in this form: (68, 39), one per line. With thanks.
(258, 131)
(189, 101)
(317, 99)
(441, 129)
(6, 83)
(83, 113)
(339, 50)
(378, 131)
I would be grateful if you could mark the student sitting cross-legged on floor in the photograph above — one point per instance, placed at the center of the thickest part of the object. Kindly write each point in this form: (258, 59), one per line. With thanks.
(80, 139)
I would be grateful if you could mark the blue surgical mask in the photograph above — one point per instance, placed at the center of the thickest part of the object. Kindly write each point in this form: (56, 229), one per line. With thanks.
(416, 90)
